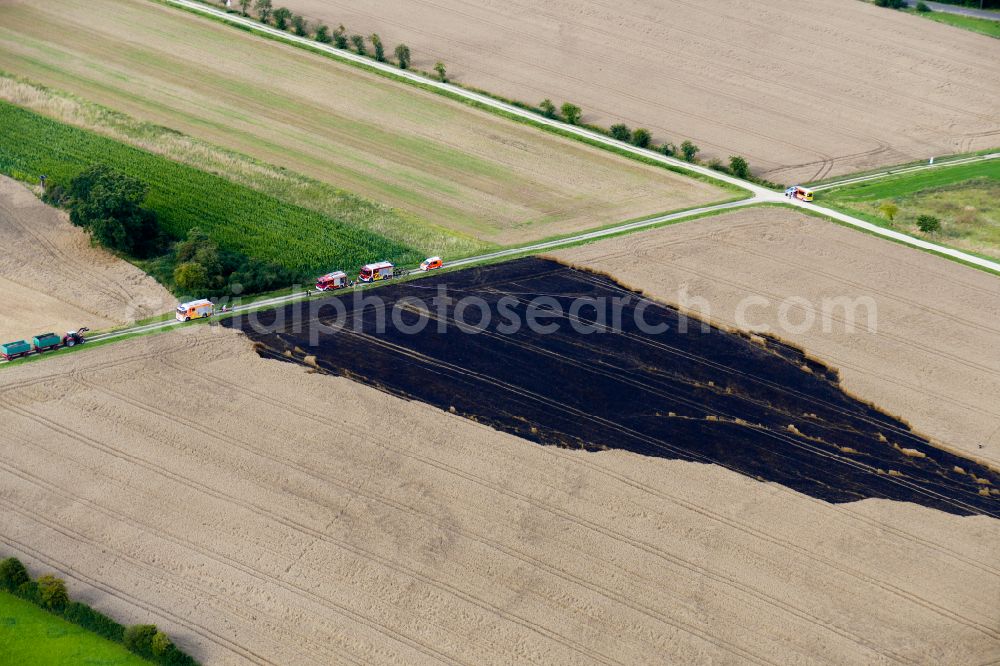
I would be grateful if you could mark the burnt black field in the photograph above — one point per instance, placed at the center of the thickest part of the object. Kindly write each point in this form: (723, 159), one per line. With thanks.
(758, 407)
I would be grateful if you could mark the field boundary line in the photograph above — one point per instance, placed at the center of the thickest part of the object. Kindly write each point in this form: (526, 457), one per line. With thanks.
(888, 173)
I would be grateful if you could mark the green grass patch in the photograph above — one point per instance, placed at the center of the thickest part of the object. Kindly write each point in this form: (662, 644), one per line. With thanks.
(30, 636)
(990, 27)
(965, 198)
(237, 217)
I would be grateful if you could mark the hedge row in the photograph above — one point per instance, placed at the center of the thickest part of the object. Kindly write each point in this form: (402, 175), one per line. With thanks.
(49, 593)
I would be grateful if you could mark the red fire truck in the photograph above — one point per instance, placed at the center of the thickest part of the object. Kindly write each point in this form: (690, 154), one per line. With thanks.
(383, 270)
(331, 281)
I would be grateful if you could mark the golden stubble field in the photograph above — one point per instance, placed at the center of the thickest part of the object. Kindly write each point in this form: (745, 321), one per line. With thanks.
(802, 88)
(265, 515)
(53, 279)
(932, 358)
(442, 162)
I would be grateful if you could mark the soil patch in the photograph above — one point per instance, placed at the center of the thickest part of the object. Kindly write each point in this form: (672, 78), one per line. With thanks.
(52, 278)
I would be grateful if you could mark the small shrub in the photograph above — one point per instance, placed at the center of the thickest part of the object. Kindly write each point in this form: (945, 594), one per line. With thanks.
(139, 639)
(689, 150)
(641, 137)
(571, 113)
(378, 47)
(300, 26)
(739, 167)
(402, 53)
(52, 593)
(668, 149)
(923, 7)
(160, 644)
(359, 44)
(323, 34)
(547, 108)
(441, 72)
(13, 574)
(340, 37)
(28, 591)
(928, 224)
(264, 10)
(282, 15)
(621, 132)
(889, 210)
(245, 7)
(88, 618)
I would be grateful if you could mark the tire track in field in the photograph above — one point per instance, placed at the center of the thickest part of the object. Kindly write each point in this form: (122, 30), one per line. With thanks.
(111, 286)
(70, 571)
(702, 511)
(162, 471)
(357, 551)
(524, 557)
(155, 532)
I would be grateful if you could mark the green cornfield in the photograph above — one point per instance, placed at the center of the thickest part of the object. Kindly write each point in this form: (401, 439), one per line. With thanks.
(238, 218)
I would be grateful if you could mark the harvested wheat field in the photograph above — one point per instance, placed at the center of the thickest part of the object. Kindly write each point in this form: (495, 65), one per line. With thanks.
(804, 89)
(441, 162)
(932, 359)
(53, 279)
(261, 514)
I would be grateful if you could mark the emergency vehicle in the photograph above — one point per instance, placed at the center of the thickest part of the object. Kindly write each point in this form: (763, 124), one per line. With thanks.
(371, 272)
(330, 281)
(195, 310)
(799, 192)
(430, 263)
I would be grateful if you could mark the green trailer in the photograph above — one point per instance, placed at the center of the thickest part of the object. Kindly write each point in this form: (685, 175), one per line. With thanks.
(11, 350)
(44, 341)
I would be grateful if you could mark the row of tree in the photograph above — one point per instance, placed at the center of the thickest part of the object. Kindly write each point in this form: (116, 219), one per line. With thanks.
(283, 18)
(50, 593)
(641, 137)
(110, 206)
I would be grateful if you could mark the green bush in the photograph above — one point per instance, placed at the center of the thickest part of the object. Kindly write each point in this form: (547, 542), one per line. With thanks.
(377, 45)
(442, 73)
(109, 205)
(90, 619)
(282, 15)
(264, 10)
(139, 639)
(923, 7)
(571, 113)
(52, 593)
(689, 150)
(621, 132)
(547, 108)
(359, 44)
(29, 592)
(668, 149)
(300, 26)
(641, 137)
(323, 34)
(13, 574)
(928, 224)
(340, 37)
(739, 167)
(402, 53)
